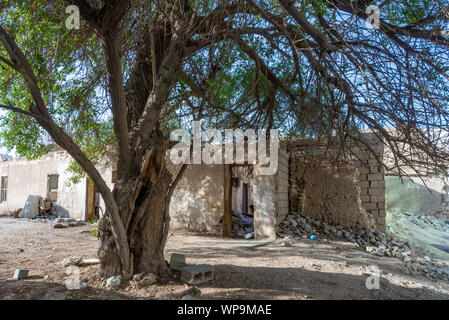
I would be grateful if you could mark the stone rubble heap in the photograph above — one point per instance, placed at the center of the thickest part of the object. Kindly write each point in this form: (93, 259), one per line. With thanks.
(427, 221)
(372, 241)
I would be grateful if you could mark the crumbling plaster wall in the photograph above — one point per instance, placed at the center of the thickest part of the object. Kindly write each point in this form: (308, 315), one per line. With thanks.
(197, 203)
(339, 188)
(30, 178)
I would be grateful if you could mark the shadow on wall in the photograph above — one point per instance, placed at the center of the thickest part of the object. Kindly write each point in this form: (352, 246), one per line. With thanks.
(197, 203)
(411, 196)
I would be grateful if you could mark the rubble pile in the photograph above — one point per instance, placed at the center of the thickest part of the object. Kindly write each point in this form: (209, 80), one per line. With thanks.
(427, 221)
(242, 225)
(61, 223)
(372, 241)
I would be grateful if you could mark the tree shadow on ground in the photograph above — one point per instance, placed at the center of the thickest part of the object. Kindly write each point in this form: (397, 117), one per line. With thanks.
(240, 282)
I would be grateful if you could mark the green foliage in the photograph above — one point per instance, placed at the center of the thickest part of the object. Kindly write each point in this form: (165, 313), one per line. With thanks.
(95, 233)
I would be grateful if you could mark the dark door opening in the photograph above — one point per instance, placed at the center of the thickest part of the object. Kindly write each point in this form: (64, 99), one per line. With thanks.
(242, 208)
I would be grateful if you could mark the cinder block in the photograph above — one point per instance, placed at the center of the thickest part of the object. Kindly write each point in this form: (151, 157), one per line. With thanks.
(197, 274)
(374, 199)
(364, 184)
(376, 192)
(373, 184)
(370, 206)
(375, 177)
(20, 274)
(365, 199)
(363, 170)
(177, 261)
(374, 170)
(381, 205)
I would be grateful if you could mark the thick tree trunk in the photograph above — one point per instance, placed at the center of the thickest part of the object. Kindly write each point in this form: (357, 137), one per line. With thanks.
(145, 231)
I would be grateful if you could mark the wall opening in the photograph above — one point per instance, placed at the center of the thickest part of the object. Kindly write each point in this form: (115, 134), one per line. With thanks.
(242, 205)
(52, 187)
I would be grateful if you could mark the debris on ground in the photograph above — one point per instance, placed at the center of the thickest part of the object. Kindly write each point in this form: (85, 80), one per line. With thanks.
(177, 261)
(372, 241)
(430, 234)
(53, 295)
(16, 213)
(242, 225)
(113, 281)
(72, 261)
(20, 274)
(197, 274)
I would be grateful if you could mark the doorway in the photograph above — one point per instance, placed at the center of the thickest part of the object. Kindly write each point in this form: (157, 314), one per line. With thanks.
(242, 207)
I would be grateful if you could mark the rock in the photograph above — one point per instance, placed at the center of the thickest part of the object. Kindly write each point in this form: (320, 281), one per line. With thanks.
(60, 226)
(138, 277)
(76, 224)
(287, 243)
(53, 295)
(113, 281)
(148, 279)
(72, 261)
(20, 274)
(91, 261)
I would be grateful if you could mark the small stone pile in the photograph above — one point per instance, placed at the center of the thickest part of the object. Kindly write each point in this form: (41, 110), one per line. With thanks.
(372, 241)
(61, 223)
(427, 221)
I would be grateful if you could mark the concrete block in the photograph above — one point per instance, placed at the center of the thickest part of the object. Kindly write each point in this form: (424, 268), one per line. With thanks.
(197, 274)
(364, 184)
(374, 170)
(376, 192)
(177, 261)
(370, 206)
(20, 274)
(365, 198)
(381, 205)
(363, 170)
(375, 177)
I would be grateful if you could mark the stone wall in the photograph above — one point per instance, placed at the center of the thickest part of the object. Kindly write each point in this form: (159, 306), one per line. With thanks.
(366, 184)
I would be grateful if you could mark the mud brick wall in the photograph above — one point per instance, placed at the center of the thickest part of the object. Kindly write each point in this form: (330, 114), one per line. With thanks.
(369, 187)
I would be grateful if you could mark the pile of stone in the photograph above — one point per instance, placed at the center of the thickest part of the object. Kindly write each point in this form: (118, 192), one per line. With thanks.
(372, 241)
(61, 223)
(242, 225)
(427, 221)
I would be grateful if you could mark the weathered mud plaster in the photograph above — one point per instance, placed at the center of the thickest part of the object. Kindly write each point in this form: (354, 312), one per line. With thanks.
(328, 192)
(370, 182)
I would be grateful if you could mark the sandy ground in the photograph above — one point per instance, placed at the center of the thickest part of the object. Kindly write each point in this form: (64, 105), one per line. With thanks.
(306, 270)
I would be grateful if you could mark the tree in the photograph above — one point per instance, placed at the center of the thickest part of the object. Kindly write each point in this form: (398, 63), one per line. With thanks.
(312, 68)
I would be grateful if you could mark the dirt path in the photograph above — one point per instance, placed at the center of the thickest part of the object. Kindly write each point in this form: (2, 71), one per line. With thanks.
(306, 270)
